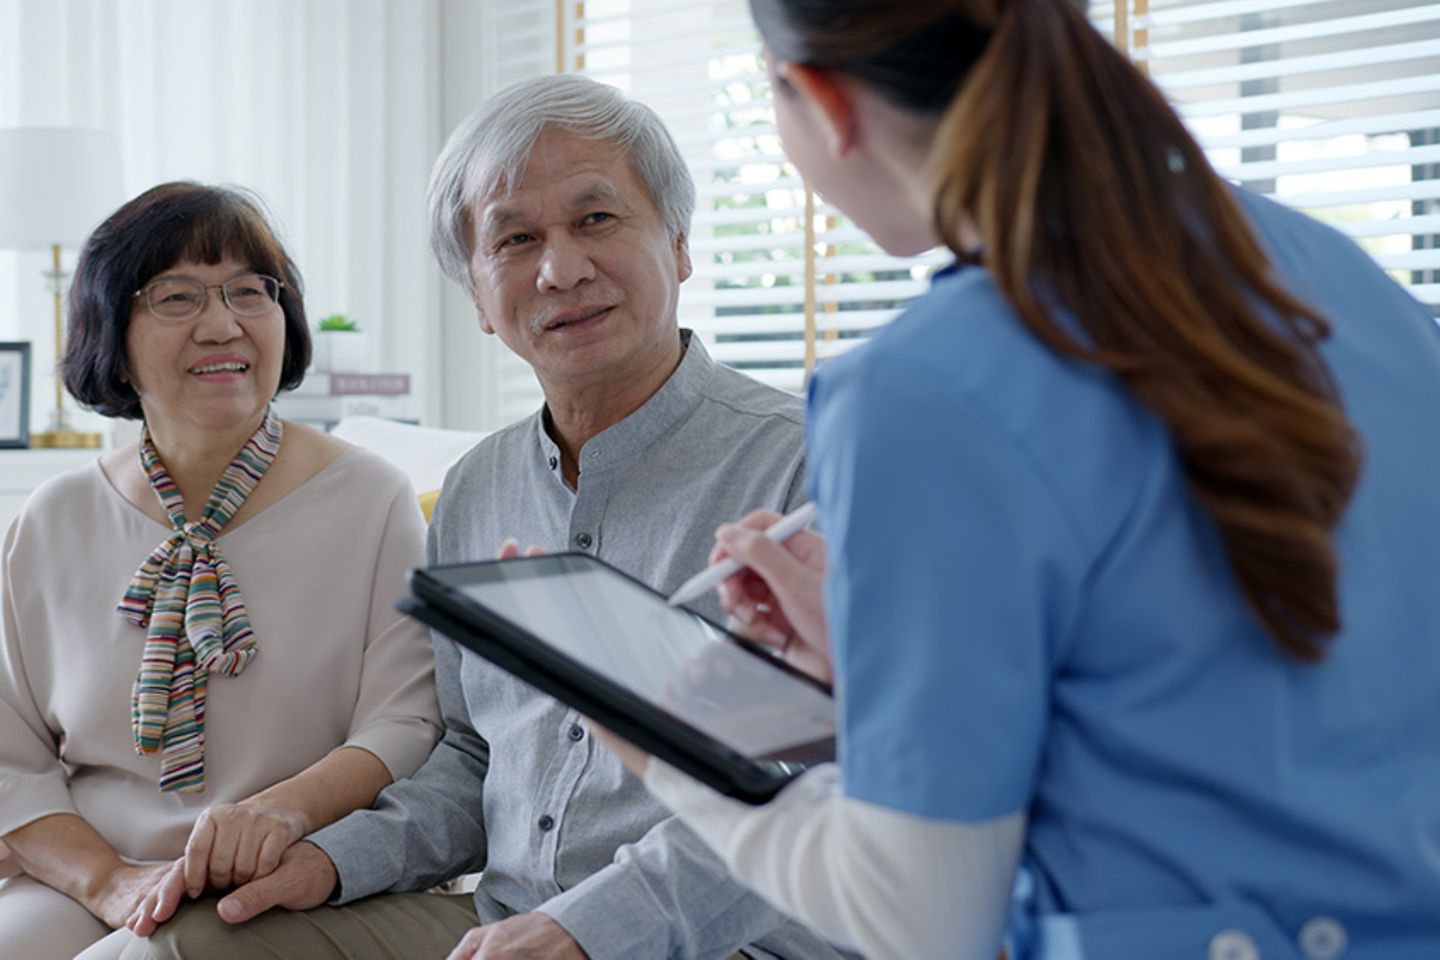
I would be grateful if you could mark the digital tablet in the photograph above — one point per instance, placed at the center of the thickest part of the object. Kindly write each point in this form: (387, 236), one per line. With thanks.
(706, 701)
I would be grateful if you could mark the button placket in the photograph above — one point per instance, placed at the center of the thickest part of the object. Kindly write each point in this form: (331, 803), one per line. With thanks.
(586, 514)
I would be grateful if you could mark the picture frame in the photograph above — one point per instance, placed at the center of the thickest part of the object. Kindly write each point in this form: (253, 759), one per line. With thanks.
(14, 394)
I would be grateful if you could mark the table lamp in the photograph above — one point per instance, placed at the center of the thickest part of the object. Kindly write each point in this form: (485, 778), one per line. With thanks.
(56, 184)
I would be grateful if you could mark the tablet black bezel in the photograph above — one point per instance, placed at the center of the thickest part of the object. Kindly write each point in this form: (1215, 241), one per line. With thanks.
(516, 650)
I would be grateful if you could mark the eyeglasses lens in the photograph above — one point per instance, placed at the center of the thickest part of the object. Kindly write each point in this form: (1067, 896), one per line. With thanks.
(251, 295)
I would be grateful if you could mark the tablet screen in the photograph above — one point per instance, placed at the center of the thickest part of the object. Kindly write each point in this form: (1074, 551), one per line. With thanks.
(667, 655)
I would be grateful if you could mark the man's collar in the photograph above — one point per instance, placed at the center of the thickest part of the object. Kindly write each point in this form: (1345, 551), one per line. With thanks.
(676, 399)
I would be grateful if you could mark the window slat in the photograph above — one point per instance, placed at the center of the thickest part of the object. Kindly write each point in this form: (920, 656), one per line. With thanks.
(1328, 27)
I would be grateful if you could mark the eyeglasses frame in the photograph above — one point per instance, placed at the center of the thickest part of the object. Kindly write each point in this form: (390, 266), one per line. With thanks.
(205, 295)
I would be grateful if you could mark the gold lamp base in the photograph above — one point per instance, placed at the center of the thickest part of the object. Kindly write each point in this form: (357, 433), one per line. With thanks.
(65, 439)
(60, 436)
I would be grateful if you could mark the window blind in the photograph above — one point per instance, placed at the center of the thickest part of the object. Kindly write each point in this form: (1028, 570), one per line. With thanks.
(1332, 106)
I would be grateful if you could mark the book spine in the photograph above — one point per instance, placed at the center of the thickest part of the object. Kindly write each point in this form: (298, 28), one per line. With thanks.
(339, 407)
(370, 384)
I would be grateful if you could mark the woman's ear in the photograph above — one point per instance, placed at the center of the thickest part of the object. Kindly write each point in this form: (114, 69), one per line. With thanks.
(829, 98)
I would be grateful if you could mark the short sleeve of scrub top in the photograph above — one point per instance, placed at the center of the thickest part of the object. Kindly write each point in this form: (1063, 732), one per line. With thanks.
(953, 568)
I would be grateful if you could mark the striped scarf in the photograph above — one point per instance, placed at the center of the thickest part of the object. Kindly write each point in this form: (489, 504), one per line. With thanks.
(186, 597)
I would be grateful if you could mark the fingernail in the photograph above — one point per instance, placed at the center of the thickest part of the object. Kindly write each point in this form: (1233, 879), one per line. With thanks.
(727, 532)
(230, 910)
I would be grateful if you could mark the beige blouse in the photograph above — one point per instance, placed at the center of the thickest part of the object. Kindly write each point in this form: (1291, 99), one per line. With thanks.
(337, 666)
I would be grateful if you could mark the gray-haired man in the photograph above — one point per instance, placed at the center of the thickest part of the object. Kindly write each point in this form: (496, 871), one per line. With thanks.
(563, 208)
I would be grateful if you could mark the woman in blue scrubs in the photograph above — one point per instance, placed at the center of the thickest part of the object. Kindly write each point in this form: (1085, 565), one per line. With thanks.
(1130, 586)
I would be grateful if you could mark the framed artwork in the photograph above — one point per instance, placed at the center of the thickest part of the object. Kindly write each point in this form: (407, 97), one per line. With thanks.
(14, 394)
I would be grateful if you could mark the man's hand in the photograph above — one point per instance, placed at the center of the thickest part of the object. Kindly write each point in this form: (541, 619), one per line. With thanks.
(510, 549)
(234, 843)
(305, 878)
(528, 936)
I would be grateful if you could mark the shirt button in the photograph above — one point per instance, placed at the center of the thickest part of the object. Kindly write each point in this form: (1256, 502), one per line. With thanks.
(577, 732)
(554, 462)
(583, 541)
(1322, 938)
(1233, 945)
(546, 822)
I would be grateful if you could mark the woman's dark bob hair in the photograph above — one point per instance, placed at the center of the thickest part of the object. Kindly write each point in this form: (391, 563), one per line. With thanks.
(166, 225)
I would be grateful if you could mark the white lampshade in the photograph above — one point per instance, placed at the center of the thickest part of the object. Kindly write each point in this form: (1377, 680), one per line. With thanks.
(56, 184)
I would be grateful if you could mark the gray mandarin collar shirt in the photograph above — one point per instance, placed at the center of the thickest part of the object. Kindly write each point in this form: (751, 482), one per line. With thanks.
(516, 786)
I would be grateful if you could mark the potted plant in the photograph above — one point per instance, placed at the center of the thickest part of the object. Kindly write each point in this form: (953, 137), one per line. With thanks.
(338, 344)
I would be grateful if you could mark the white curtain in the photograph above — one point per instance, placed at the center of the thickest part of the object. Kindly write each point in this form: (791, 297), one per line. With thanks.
(486, 44)
(329, 109)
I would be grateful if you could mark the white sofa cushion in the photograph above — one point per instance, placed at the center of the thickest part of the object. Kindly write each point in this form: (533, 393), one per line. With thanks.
(423, 453)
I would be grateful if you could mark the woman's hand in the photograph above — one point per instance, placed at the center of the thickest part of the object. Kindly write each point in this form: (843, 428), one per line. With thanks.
(122, 890)
(234, 843)
(161, 902)
(777, 599)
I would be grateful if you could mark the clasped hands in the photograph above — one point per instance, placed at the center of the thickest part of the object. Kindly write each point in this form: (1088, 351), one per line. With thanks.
(230, 845)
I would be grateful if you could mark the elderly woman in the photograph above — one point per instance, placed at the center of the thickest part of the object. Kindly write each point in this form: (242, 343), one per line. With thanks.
(198, 651)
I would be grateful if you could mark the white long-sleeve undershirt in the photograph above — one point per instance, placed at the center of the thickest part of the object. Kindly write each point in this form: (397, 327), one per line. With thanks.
(872, 879)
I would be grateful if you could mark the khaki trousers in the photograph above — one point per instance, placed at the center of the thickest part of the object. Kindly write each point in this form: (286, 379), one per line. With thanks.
(390, 926)
(397, 926)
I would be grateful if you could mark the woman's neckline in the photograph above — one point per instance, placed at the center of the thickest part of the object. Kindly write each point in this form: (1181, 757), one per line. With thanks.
(131, 506)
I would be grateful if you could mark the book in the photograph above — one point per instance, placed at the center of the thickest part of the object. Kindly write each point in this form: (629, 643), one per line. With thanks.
(329, 408)
(324, 383)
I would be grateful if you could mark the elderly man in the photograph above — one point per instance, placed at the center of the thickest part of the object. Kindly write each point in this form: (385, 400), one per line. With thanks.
(563, 208)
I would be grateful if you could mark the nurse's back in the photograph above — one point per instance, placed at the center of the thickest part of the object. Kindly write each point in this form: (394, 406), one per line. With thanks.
(1295, 807)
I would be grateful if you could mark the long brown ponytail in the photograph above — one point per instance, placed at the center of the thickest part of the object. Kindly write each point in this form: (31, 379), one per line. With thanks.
(1088, 191)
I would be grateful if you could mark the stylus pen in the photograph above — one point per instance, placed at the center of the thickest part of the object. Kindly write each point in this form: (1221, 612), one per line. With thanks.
(707, 579)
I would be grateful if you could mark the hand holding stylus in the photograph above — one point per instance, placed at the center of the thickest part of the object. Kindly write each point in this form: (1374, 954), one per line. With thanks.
(776, 598)
(709, 578)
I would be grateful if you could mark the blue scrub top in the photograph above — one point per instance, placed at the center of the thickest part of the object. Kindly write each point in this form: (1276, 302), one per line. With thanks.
(1030, 612)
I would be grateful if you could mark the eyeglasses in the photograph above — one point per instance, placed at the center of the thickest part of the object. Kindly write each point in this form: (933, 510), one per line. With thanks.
(180, 298)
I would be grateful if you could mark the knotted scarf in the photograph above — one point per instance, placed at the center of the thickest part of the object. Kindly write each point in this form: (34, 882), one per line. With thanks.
(186, 598)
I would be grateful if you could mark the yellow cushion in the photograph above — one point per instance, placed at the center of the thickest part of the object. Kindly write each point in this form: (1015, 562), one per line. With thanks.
(427, 503)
